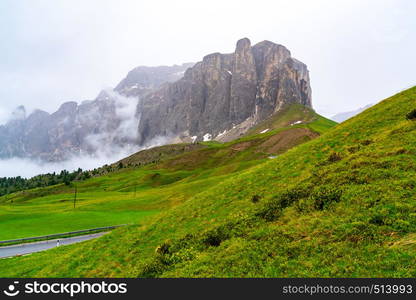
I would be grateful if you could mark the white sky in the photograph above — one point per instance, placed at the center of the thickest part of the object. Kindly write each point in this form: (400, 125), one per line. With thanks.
(358, 52)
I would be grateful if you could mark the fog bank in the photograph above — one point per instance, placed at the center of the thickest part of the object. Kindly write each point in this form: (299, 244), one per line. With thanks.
(28, 168)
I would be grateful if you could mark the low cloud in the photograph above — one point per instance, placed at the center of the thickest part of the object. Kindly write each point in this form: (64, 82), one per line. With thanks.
(27, 168)
(124, 136)
(106, 147)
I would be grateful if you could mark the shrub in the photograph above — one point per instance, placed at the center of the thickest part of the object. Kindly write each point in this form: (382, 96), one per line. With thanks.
(255, 198)
(85, 176)
(182, 255)
(154, 268)
(353, 149)
(366, 142)
(272, 209)
(334, 157)
(411, 115)
(401, 151)
(325, 195)
(163, 249)
(377, 220)
(216, 236)
(187, 241)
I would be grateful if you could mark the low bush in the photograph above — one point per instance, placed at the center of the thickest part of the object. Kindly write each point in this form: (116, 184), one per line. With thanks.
(216, 236)
(334, 157)
(272, 209)
(366, 142)
(163, 249)
(411, 115)
(324, 196)
(255, 198)
(377, 220)
(154, 267)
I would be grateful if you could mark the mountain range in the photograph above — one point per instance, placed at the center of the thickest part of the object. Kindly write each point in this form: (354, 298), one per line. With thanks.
(104, 124)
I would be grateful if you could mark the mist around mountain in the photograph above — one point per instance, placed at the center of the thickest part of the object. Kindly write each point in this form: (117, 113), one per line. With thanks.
(83, 134)
(343, 116)
(219, 98)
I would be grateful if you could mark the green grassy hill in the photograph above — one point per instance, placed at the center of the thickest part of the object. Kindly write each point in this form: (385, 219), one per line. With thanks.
(145, 183)
(340, 205)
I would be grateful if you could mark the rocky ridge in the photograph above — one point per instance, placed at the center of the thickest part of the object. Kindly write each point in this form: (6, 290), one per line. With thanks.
(225, 93)
(109, 121)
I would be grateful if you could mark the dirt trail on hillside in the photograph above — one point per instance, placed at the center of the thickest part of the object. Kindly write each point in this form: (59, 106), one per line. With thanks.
(287, 139)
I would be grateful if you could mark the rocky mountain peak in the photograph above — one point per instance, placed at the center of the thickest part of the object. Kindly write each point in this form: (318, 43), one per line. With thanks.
(143, 79)
(243, 45)
(225, 92)
(37, 114)
(19, 113)
(68, 107)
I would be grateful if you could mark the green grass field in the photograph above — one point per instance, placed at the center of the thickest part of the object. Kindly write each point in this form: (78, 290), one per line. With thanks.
(131, 195)
(103, 201)
(340, 205)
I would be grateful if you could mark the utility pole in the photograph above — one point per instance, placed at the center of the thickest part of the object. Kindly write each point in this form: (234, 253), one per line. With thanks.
(75, 196)
(135, 188)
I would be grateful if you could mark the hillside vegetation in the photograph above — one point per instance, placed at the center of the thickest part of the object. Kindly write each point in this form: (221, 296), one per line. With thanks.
(341, 205)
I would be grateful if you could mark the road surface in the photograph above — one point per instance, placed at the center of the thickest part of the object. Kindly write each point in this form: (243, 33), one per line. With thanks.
(28, 248)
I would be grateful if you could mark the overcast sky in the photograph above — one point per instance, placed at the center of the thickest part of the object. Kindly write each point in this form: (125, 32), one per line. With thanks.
(54, 51)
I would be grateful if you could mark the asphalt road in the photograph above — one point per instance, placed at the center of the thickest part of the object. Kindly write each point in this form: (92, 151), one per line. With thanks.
(28, 248)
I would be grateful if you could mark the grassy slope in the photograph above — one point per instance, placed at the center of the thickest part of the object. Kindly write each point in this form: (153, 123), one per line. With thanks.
(168, 175)
(290, 114)
(341, 205)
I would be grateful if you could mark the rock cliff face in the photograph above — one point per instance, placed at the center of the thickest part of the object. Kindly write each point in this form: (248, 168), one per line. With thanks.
(54, 137)
(225, 92)
(219, 98)
(143, 80)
